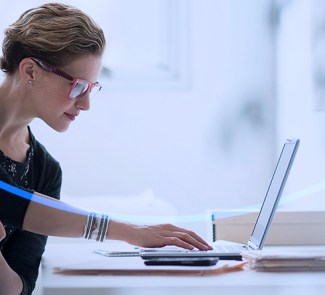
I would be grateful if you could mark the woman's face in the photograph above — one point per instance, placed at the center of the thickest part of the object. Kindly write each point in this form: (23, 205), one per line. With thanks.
(51, 92)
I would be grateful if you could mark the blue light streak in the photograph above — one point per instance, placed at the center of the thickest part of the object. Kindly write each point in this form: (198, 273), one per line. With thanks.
(162, 219)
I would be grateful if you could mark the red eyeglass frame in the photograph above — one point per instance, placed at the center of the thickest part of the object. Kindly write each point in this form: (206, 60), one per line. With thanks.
(52, 69)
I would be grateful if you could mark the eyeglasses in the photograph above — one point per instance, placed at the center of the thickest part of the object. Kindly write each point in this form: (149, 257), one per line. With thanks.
(79, 86)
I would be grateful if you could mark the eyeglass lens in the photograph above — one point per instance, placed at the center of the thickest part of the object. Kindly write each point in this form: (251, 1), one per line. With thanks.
(81, 87)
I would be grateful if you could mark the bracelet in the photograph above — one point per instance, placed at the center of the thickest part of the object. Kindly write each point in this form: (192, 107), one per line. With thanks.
(88, 229)
(96, 227)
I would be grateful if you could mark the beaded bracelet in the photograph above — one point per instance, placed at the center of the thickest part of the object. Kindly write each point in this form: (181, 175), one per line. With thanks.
(96, 227)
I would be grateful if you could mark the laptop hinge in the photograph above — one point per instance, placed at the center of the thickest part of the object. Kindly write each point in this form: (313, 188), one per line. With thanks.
(252, 246)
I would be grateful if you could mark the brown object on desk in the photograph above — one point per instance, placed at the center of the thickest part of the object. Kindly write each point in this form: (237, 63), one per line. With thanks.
(137, 267)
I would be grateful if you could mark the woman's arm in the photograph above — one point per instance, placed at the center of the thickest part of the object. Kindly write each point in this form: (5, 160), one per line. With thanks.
(51, 217)
(10, 281)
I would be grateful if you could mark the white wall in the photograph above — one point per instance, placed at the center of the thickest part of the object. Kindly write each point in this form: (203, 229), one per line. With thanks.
(300, 105)
(208, 144)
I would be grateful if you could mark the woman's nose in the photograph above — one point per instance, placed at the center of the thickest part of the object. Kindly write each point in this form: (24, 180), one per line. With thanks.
(83, 103)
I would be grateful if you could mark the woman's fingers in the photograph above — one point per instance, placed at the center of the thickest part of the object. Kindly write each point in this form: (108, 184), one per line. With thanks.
(192, 236)
(185, 237)
(174, 241)
(173, 235)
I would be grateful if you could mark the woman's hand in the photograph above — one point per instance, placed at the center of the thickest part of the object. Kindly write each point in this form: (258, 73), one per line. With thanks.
(156, 236)
(2, 232)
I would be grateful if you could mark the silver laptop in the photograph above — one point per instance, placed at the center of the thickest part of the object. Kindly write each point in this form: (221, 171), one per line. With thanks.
(262, 224)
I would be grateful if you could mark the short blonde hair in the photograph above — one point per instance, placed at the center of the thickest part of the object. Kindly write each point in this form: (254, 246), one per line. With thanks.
(54, 32)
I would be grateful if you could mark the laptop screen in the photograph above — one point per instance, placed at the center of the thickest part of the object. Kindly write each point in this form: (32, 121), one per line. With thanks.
(273, 194)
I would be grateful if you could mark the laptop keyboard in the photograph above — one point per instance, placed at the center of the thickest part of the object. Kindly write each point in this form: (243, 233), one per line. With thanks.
(220, 249)
(229, 248)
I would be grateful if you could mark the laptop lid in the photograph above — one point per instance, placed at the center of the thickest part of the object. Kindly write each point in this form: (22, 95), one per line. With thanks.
(274, 192)
(264, 219)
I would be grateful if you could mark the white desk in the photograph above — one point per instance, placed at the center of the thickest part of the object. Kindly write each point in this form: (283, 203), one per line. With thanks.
(241, 282)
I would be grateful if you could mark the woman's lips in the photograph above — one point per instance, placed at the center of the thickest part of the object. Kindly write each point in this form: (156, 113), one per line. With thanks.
(71, 117)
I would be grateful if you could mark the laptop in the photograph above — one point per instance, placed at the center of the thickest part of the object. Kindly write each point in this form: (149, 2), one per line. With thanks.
(263, 222)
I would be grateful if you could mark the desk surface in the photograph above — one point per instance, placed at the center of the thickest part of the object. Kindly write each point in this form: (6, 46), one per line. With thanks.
(240, 282)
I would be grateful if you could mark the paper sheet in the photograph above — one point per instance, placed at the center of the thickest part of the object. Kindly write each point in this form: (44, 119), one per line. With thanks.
(291, 260)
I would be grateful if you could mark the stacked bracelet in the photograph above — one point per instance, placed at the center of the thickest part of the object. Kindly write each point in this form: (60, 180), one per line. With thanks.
(96, 227)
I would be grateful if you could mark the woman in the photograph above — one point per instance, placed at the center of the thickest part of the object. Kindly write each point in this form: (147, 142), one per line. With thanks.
(51, 60)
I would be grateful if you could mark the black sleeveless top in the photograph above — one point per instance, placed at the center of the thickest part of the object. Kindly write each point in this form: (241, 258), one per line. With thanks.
(21, 249)
(21, 173)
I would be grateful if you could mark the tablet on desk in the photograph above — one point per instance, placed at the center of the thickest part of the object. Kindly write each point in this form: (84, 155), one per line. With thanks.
(117, 253)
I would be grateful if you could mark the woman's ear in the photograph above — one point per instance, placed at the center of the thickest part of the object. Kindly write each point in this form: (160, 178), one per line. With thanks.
(27, 70)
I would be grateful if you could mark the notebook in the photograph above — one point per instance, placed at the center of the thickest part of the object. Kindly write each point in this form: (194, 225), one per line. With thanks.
(263, 222)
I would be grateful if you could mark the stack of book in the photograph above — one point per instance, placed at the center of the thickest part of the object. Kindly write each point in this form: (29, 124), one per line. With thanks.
(291, 260)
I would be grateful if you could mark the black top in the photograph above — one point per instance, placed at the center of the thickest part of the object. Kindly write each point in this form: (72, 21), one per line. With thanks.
(41, 173)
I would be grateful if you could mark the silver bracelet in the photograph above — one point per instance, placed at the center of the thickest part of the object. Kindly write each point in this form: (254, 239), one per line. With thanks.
(88, 226)
(96, 227)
